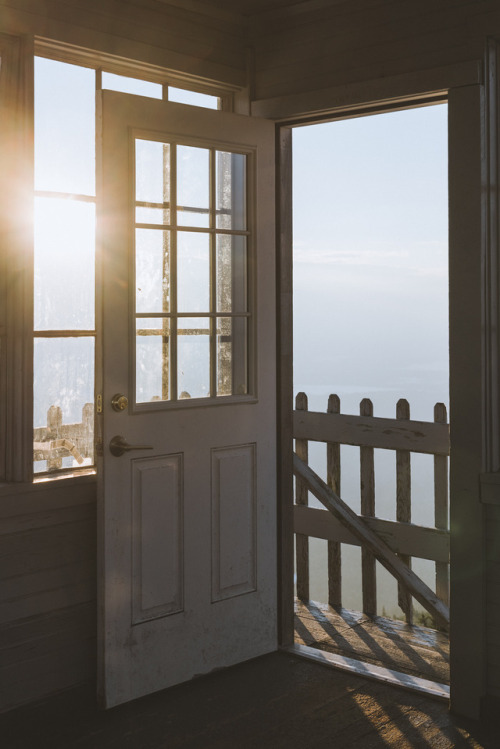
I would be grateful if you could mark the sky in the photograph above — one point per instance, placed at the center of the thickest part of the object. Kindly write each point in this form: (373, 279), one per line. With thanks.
(371, 258)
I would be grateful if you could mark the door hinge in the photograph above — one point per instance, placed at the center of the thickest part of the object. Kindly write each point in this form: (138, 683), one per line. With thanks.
(98, 408)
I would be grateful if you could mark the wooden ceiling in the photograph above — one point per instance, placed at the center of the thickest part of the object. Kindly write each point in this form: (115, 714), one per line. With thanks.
(248, 8)
(251, 7)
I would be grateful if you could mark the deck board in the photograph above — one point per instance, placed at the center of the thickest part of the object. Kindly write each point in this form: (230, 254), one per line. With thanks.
(418, 651)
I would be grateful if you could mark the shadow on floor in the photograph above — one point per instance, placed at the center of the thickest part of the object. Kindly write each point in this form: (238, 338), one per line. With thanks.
(418, 651)
(278, 701)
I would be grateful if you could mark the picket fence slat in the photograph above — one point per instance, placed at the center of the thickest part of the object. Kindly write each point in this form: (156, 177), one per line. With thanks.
(403, 505)
(301, 498)
(333, 481)
(441, 506)
(367, 487)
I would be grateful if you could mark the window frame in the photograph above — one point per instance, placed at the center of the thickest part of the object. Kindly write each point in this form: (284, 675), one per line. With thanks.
(16, 259)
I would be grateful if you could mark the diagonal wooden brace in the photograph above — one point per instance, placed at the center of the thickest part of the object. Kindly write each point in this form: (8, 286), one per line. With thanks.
(371, 541)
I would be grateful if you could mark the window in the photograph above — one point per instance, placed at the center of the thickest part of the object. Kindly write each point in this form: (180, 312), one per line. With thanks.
(64, 263)
(191, 272)
(64, 258)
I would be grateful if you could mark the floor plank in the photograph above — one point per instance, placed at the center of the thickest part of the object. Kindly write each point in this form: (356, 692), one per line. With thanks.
(279, 701)
(417, 651)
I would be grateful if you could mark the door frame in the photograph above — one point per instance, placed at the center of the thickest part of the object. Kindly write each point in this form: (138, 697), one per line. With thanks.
(472, 362)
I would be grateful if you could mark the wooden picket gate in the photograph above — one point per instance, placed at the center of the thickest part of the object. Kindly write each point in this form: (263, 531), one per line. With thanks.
(393, 543)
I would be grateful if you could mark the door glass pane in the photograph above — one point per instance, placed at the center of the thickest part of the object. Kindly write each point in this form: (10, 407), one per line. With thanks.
(64, 264)
(231, 265)
(193, 357)
(152, 270)
(63, 402)
(182, 271)
(153, 342)
(231, 180)
(193, 272)
(152, 176)
(64, 127)
(232, 368)
(193, 186)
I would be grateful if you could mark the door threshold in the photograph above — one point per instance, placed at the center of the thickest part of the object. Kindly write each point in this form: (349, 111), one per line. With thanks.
(370, 671)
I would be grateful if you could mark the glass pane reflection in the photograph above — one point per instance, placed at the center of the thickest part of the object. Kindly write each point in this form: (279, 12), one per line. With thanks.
(193, 272)
(231, 180)
(152, 270)
(232, 365)
(193, 186)
(193, 357)
(153, 343)
(152, 173)
(231, 273)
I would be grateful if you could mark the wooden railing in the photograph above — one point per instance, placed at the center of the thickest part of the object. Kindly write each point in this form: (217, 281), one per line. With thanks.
(400, 537)
(57, 440)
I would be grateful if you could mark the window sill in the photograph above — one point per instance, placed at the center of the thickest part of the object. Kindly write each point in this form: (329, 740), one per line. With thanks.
(43, 482)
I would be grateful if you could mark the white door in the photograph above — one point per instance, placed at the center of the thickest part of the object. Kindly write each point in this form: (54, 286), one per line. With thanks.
(188, 516)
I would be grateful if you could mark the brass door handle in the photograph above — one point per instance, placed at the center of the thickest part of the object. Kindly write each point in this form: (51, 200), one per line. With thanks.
(119, 445)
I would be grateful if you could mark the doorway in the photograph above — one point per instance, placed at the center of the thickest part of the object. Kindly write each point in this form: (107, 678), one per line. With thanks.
(370, 228)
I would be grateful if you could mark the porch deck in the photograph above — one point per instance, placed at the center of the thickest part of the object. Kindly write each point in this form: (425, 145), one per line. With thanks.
(277, 701)
(418, 651)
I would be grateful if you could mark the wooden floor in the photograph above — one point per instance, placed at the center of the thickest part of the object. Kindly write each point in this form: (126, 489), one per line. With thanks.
(279, 701)
(418, 651)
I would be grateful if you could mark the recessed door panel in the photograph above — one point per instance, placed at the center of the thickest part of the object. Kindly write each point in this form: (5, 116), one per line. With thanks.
(233, 521)
(158, 553)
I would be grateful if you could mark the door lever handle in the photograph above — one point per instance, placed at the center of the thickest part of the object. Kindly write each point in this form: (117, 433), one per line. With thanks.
(119, 445)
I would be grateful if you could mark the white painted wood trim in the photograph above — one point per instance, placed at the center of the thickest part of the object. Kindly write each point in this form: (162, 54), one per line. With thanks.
(370, 671)
(375, 94)
(372, 431)
(134, 68)
(414, 540)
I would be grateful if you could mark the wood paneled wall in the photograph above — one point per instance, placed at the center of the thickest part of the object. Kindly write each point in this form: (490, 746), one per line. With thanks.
(212, 48)
(47, 590)
(351, 41)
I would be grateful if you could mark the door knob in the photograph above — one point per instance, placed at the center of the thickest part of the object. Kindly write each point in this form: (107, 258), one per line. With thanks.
(119, 402)
(119, 445)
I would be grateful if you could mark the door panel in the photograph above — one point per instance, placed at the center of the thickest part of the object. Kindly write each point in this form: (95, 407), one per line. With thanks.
(187, 526)
(234, 550)
(157, 543)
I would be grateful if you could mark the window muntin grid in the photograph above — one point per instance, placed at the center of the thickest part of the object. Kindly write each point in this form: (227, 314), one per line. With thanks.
(191, 282)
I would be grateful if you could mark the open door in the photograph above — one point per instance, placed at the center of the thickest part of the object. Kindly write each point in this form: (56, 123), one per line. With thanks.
(187, 518)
